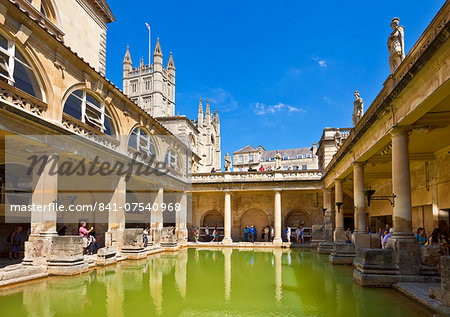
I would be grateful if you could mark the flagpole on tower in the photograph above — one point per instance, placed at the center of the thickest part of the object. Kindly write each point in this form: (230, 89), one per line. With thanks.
(149, 44)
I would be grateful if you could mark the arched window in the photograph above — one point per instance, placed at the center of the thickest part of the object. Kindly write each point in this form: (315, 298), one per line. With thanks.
(84, 106)
(15, 70)
(171, 160)
(142, 142)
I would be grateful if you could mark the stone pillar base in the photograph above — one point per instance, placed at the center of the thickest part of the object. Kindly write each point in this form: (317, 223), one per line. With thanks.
(133, 244)
(316, 243)
(63, 255)
(445, 279)
(182, 236)
(168, 239)
(342, 253)
(277, 242)
(227, 241)
(325, 247)
(106, 256)
(375, 268)
(406, 255)
(361, 240)
(339, 235)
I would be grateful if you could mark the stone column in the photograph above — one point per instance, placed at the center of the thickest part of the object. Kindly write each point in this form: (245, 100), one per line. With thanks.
(181, 215)
(339, 232)
(156, 220)
(277, 218)
(45, 194)
(43, 221)
(116, 216)
(401, 185)
(406, 251)
(326, 246)
(227, 219)
(359, 238)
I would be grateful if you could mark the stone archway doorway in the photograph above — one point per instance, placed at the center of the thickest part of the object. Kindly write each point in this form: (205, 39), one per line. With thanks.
(296, 218)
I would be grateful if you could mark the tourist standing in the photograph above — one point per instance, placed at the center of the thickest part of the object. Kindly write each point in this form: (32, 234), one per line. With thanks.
(387, 236)
(421, 236)
(207, 236)
(266, 233)
(196, 234)
(297, 235)
(252, 234)
(272, 233)
(145, 236)
(215, 235)
(83, 232)
(15, 241)
(246, 231)
(435, 242)
(92, 243)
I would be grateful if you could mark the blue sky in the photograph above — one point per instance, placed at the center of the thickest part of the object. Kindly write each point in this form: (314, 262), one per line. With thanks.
(279, 71)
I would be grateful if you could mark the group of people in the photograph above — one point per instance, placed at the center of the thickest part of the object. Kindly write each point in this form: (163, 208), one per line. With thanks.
(251, 235)
(210, 236)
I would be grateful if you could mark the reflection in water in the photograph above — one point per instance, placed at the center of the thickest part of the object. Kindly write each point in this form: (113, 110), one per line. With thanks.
(227, 259)
(205, 282)
(278, 277)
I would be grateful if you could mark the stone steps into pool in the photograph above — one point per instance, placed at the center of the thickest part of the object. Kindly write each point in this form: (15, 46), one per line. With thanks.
(420, 292)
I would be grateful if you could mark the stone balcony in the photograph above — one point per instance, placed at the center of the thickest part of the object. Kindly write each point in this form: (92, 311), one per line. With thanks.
(250, 177)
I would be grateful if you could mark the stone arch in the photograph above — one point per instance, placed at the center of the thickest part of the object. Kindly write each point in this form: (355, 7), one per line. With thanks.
(212, 218)
(254, 217)
(29, 56)
(108, 108)
(295, 218)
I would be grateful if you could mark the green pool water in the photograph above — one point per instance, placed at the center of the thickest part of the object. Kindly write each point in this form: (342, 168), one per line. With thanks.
(209, 282)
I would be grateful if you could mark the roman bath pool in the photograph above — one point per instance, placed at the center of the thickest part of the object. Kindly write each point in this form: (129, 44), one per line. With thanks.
(209, 282)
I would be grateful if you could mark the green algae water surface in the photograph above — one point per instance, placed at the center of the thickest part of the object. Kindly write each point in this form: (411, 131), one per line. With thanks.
(209, 282)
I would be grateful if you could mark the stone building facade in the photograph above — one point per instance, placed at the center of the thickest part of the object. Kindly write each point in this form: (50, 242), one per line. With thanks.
(396, 156)
(290, 159)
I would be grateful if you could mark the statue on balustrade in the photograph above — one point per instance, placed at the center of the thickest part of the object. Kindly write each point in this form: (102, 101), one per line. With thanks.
(277, 160)
(227, 160)
(338, 139)
(396, 45)
(358, 108)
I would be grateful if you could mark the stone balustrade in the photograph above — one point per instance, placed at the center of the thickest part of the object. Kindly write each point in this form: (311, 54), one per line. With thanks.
(80, 128)
(21, 99)
(232, 177)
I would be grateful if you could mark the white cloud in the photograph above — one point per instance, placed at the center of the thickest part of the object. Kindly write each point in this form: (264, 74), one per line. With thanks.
(262, 109)
(321, 62)
(223, 99)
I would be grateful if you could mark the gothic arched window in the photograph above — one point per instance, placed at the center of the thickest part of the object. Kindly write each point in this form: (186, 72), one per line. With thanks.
(87, 108)
(15, 70)
(142, 142)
